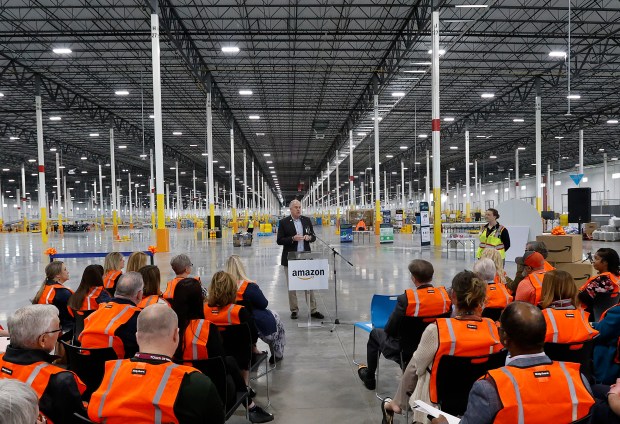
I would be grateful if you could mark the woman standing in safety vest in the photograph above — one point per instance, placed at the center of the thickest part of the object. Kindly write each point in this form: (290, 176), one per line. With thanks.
(493, 235)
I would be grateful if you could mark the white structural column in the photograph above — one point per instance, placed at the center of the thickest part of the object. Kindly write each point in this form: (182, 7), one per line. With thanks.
(337, 193)
(210, 163)
(178, 187)
(130, 204)
(253, 191)
(151, 191)
(548, 188)
(605, 179)
(580, 155)
(477, 188)
(233, 189)
(467, 179)
(386, 194)
(59, 195)
(351, 176)
(428, 179)
(162, 235)
(436, 128)
(1, 204)
(168, 197)
(245, 186)
(517, 188)
(377, 196)
(23, 199)
(194, 196)
(328, 202)
(538, 152)
(402, 184)
(113, 185)
(447, 189)
(41, 159)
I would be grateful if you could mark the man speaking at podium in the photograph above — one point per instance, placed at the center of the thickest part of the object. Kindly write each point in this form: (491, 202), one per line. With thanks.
(295, 233)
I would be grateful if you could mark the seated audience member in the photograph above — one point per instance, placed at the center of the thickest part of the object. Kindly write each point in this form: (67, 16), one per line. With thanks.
(112, 270)
(607, 264)
(149, 387)
(497, 293)
(566, 323)
(530, 246)
(34, 332)
(424, 300)
(607, 407)
(151, 293)
(270, 328)
(182, 267)
(531, 388)
(90, 293)
(475, 336)
(606, 355)
(500, 274)
(18, 403)
(53, 292)
(114, 324)
(136, 261)
(530, 287)
(361, 225)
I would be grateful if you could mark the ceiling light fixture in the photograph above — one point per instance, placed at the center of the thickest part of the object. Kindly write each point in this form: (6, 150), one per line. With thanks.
(448, 119)
(492, 157)
(441, 52)
(398, 94)
(253, 117)
(573, 97)
(423, 136)
(454, 148)
(557, 53)
(612, 121)
(121, 93)
(94, 134)
(245, 92)
(518, 120)
(177, 133)
(62, 50)
(403, 147)
(17, 138)
(230, 49)
(487, 95)
(266, 154)
(122, 146)
(55, 118)
(472, 6)
(260, 134)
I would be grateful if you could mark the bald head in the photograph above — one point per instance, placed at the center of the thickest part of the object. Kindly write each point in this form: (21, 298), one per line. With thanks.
(524, 325)
(156, 322)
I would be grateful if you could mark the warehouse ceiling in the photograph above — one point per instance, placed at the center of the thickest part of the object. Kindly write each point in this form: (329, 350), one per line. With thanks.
(312, 67)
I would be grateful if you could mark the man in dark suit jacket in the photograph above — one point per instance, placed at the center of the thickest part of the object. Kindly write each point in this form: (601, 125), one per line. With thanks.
(295, 233)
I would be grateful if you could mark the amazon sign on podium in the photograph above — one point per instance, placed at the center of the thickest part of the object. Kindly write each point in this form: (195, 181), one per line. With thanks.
(307, 271)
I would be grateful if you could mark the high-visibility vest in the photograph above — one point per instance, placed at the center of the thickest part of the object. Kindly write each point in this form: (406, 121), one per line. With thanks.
(536, 279)
(172, 284)
(137, 392)
(548, 267)
(241, 290)
(109, 279)
(100, 326)
(227, 315)
(493, 241)
(568, 326)
(151, 300)
(463, 338)
(497, 296)
(614, 280)
(427, 302)
(90, 301)
(195, 340)
(37, 375)
(49, 293)
(552, 393)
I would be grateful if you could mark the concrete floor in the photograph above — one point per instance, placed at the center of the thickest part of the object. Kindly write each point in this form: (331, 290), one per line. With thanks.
(317, 381)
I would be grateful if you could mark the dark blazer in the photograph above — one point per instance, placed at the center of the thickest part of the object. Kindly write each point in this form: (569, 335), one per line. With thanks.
(286, 231)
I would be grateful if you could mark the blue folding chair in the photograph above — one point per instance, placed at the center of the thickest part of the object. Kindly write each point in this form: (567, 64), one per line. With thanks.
(381, 307)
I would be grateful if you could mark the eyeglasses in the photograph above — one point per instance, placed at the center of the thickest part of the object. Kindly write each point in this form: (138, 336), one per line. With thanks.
(51, 332)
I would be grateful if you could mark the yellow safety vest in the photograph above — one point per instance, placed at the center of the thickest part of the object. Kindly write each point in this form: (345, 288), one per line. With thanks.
(492, 241)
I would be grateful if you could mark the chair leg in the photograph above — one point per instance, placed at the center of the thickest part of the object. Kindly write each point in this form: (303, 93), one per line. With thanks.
(354, 361)
(377, 377)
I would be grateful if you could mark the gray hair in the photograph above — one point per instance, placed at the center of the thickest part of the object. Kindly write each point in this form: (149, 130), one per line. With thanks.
(18, 402)
(537, 246)
(129, 284)
(179, 263)
(28, 323)
(293, 201)
(485, 268)
(157, 321)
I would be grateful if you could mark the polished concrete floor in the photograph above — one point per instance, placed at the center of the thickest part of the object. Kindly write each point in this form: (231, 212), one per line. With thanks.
(317, 381)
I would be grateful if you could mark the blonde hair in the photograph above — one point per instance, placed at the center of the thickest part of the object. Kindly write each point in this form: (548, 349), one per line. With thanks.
(558, 285)
(136, 261)
(470, 291)
(235, 267)
(222, 289)
(496, 257)
(112, 262)
(52, 270)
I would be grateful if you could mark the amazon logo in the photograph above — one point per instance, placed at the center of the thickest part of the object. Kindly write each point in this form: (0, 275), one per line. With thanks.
(566, 249)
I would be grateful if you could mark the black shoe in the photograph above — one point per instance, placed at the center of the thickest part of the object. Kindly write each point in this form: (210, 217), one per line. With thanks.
(259, 415)
(273, 359)
(294, 315)
(369, 381)
(317, 315)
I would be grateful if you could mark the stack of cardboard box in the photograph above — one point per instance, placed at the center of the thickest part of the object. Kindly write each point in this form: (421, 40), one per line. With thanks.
(566, 254)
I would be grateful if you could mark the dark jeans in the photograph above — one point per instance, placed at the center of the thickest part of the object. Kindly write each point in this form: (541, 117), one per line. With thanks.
(379, 341)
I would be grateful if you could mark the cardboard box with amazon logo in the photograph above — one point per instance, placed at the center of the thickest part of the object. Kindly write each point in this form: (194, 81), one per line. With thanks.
(566, 249)
(580, 271)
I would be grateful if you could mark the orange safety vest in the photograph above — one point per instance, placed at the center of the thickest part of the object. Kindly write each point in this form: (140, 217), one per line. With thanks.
(195, 340)
(548, 267)
(150, 300)
(241, 290)
(568, 326)
(137, 392)
(227, 315)
(536, 278)
(100, 326)
(90, 301)
(497, 295)
(49, 293)
(463, 338)
(615, 280)
(109, 279)
(172, 284)
(427, 302)
(37, 375)
(552, 393)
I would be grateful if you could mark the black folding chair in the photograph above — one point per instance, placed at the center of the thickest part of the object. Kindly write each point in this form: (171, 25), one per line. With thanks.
(82, 419)
(89, 365)
(457, 374)
(579, 353)
(602, 302)
(492, 313)
(79, 316)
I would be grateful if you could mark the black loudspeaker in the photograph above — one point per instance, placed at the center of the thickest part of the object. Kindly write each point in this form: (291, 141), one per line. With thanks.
(580, 205)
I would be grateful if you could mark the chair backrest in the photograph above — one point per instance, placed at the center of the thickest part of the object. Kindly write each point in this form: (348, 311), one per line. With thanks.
(584, 420)
(492, 313)
(215, 369)
(602, 302)
(381, 307)
(88, 364)
(81, 419)
(80, 316)
(457, 374)
(580, 353)
(410, 332)
(237, 340)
